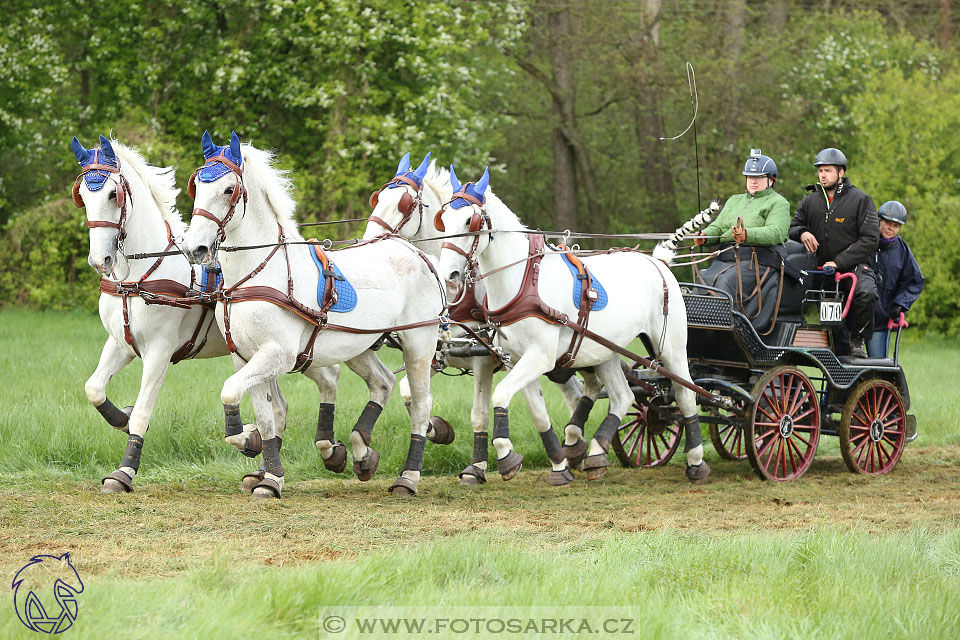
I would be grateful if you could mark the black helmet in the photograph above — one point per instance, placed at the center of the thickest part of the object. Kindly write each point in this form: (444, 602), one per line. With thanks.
(759, 165)
(893, 211)
(831, 156)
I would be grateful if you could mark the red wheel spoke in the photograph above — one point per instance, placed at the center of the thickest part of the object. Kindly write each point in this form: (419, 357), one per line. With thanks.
(793, 462)
(770, 417)
(798, 397)
(886, 409)
(774, 445)
(796, 434)
(803, 415)
(626, 437)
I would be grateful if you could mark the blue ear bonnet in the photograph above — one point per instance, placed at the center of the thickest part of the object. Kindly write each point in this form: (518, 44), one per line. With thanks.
(95, 178)
(403, 169)
(477, 190)
(216, 170)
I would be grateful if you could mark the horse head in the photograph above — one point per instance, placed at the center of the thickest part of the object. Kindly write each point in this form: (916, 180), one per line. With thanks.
(217, 188)
(465, 214)
(103, 190)
(399, 202)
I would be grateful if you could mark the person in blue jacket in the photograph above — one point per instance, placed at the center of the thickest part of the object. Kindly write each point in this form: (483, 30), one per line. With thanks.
(901, 280)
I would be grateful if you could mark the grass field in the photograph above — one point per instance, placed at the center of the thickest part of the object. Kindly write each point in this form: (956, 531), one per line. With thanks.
(186, 555)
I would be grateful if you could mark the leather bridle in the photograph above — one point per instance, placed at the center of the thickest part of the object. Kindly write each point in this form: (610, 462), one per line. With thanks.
(234, 197)
(405, 206)
(478, 221)
(123, 196)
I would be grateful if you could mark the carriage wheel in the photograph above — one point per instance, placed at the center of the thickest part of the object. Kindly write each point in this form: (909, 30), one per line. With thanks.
(873, 428)
(727, 438)
(784, 427)
(650, 436)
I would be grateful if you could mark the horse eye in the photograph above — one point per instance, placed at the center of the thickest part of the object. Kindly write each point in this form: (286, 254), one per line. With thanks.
(112, 196)
(228, 190)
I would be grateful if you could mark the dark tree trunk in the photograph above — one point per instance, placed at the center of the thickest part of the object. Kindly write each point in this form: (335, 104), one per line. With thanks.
(564, 99)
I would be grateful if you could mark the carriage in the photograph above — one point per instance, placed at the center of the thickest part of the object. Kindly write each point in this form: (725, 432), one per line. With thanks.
(789, 386)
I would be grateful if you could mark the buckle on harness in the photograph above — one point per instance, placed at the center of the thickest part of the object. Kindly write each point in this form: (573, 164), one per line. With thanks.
(329, 273)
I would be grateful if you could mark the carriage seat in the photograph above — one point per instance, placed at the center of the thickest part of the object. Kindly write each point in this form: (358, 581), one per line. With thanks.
(791, 300)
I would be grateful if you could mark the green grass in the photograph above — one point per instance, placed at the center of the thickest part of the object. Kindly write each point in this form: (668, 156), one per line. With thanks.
(819, 584)
(830, 556)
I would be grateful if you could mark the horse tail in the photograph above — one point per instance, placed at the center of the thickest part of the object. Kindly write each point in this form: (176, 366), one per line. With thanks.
(666, 249)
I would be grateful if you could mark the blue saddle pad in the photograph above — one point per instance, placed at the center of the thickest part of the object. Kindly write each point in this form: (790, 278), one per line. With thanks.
(602, 299)
(346, 294)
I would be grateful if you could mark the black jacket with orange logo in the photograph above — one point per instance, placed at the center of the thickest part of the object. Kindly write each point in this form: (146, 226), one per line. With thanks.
(848, 231)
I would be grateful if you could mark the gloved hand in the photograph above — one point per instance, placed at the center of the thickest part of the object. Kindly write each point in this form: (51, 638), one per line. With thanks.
(699, 239)
(897, 310)
(738, 232)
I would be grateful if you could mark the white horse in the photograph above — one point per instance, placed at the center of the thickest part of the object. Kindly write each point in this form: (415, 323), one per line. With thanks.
(150, 308)
(537, 337)
(274, 320)
(407, 206)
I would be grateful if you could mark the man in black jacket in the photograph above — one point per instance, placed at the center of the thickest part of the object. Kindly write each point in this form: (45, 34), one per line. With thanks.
(839, 223)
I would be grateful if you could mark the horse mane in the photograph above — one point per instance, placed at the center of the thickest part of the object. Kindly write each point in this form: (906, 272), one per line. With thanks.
(438, 181)
(501, 215)
(261, 174)
(161, 182)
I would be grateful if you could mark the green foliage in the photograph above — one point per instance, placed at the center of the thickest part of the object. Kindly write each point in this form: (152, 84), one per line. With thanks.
(911, 125)
(43, 259)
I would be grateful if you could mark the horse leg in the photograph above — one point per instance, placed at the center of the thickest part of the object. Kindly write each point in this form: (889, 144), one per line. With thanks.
(560, 474)
(418, 349)
(279, 405)
(697, 471)
(155, 367)
(475, 472)
(113, 358)
(611, 374)
(332, 451)
(380, 381)
(264, 367)
(531, 366)
(271, 419)
(574, 444)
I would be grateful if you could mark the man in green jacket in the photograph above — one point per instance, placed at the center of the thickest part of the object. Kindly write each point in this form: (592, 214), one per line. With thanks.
(752, 228)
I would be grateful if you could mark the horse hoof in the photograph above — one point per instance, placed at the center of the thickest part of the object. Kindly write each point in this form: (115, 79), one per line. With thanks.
(442, 431)
(112, 486)
(560, 478)
(472, 476)
(249, 481)
(117, 482)
(575, 452)
(253, 445)
(698, 474)
(368, 466)
(595, 466)
(403, 487)
(266, 488)
(509, 465)
(337, 461)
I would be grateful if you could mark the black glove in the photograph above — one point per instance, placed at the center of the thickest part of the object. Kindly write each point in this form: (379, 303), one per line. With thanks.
(897, 311)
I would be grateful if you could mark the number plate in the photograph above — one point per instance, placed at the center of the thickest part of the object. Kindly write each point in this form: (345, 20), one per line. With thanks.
(831, 311)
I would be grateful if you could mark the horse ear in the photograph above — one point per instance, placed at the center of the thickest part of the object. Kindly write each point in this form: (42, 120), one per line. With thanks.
(209, 149)
(78, 150)
(422, 169)
(482, 185)
(454, 182)
(404, 165)
(235, 148)
(108, 153)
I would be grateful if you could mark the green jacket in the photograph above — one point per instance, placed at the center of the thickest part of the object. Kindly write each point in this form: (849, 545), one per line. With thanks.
(766, 217)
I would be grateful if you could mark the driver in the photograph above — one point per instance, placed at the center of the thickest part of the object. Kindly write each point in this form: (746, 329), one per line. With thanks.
(752, 227)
